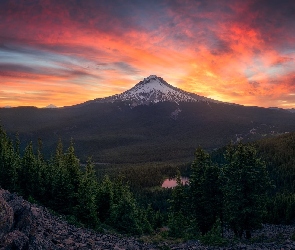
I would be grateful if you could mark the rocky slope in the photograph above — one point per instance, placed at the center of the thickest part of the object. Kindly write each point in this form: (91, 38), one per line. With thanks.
(27, 226)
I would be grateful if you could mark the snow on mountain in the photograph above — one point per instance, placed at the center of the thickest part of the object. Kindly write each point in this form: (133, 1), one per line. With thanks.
(154, 89)
(50, 106)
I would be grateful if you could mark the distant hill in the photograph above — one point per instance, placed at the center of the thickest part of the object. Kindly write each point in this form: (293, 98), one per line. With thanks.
(50, 106)
(148, 123)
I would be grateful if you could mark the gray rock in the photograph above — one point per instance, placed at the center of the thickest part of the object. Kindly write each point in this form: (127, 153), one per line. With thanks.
(15, 240)
(6, 217)
(32, 227)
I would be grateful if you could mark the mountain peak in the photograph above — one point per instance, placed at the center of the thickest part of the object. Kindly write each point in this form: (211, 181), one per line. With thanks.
(154, 89)
(151, 77)
(50, 106)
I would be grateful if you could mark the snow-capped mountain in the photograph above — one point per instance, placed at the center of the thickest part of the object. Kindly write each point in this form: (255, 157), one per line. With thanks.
(154, 89)
(50, 106)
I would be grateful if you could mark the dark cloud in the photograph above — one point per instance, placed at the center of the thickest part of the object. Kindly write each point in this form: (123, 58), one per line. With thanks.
(18, 70)
(14, 67)
(41, 19)
(126, 68)
(74, 40)
(220, 47)
(274, 19)
(115, 16)
(281, 61)
(254, 84)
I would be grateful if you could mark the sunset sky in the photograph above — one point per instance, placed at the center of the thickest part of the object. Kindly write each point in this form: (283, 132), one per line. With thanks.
(69, 51)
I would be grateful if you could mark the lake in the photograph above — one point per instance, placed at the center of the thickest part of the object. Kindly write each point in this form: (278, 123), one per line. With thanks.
(170, 183)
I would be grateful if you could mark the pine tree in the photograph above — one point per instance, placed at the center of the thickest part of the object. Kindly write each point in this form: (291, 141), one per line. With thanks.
(245, 186)
(72, 165)
(86, 210)
(105, 198)
(9, 163)
(124, 212)
(29, 172)
(72, 168)
(178, 216)
(205, 192)
(61, 188)
(178, 200)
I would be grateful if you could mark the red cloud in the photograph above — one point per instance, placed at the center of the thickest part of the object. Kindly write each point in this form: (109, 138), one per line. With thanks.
(98, 48)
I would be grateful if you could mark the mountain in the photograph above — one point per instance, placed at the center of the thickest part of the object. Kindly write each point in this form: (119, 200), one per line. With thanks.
(120, 129)
(154, 89)
(50, 106)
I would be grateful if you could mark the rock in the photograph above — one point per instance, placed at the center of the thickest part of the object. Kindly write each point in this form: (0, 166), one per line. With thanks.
(23, 220)
(32, 227)
(6, 217)
(69, 241)
(15, 240)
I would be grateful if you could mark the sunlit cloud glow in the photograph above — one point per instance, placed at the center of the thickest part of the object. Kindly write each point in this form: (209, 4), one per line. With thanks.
(68, 52)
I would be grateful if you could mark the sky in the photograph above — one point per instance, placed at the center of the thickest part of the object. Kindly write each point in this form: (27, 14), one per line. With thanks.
(68, 52)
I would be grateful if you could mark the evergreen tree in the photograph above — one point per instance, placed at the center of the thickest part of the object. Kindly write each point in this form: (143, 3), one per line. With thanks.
(155, 218)
(178, 201)
(62, 191)
(205, 192)
(179, 218)
(73, 166)
(9, 163)
(86, 209)
(125, 213)
(105, 198)
(145, 223)
(29, 172)
(40, 174)
(245, 186)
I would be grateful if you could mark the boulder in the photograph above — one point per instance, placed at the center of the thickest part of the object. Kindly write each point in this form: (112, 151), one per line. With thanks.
(6, 217)
(15, 240)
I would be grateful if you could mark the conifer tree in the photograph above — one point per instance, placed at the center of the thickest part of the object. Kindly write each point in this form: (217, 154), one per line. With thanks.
(86, 210)
(9, 163)
(73, 170)
(125, 213)
(40, 173)
(245, 186)
(179, 217)
(178, 203)
(155, 218)
(29, 172)
(205, 192)
(105, 198)
(62, 191)
(73, 166)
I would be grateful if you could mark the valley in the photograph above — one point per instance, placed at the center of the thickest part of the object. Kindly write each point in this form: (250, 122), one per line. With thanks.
(117, 134)
(102, 163)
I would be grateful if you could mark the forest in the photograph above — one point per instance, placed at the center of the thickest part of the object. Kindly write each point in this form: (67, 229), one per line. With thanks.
(238, 187)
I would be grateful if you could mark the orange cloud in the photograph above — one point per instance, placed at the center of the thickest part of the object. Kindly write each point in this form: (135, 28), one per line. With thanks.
(234, 51)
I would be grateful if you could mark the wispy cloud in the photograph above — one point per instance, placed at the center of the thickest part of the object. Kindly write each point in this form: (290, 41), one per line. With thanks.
(236, 51)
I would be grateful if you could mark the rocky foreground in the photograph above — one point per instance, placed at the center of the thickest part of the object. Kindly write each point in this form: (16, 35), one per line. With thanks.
(28, 226)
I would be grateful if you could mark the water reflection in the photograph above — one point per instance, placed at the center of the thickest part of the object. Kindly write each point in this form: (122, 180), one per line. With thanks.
(170, 183)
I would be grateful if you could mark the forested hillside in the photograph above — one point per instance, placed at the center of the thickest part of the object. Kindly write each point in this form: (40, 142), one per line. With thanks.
(238, 187)
(164, 132)
(278, 153)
